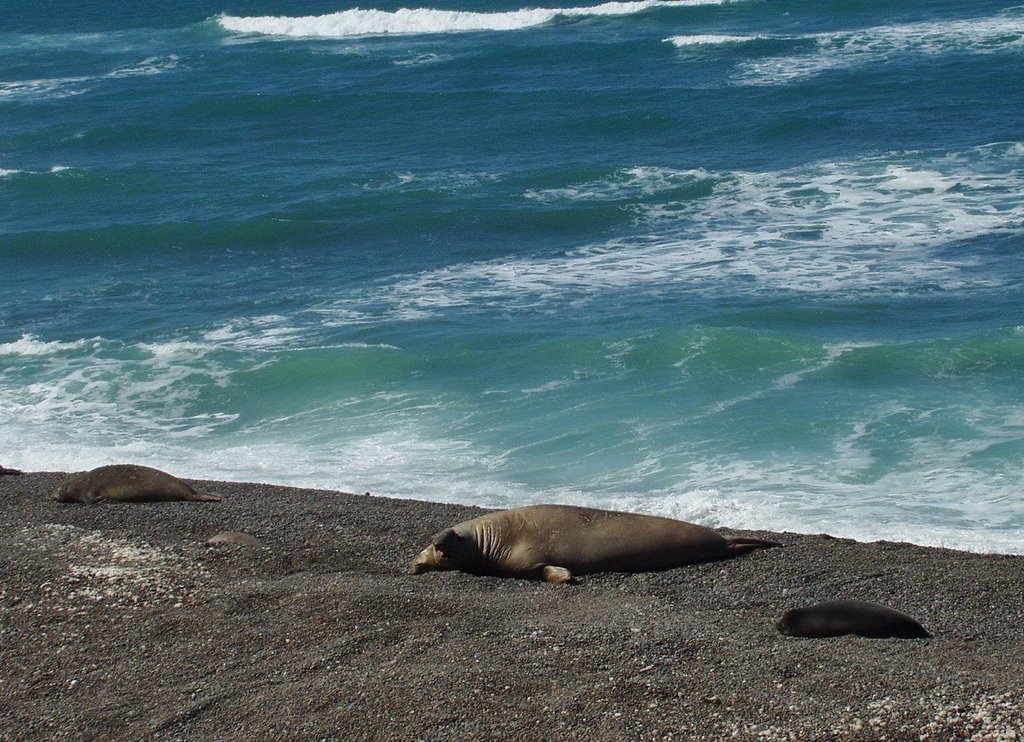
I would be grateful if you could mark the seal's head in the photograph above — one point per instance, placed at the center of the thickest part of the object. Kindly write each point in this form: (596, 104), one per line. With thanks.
(448, 550)
(64, 493)
(789, 622)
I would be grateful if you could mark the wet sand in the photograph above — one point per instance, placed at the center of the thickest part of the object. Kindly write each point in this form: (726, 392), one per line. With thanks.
(118, 622)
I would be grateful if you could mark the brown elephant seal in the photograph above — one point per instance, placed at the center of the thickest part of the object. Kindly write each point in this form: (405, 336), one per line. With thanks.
(554, 542)
(4, 470)
(841, 617)
(127, 483)
(235, 537)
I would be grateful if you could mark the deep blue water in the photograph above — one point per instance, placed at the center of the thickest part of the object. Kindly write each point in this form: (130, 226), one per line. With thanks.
(747, 263)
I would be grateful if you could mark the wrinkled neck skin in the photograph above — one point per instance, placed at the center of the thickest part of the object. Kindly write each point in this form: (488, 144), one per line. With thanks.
(491, 553)
(478, 549)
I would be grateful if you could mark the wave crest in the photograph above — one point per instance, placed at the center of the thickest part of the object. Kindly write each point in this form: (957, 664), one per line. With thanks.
(710, 40)
(359, 22)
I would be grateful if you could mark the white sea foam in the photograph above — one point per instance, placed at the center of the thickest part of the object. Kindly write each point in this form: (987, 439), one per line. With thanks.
(95, 401)
(56, 169)
(942, 500)
(30, 345)
(149, 66)
(465, 184)
(43, 88)
(629, 183)
(878, 224)
(98, 393)
(423, 59)
(181, 349)
(710, 40)
(360, 22)
(875, 45)
(62, 87)
(268, 332)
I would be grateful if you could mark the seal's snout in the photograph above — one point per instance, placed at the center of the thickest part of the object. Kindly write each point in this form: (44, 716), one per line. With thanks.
(785, 624)
(425, 561)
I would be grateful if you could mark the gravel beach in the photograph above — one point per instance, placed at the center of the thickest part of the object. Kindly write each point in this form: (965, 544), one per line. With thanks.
(119, 622)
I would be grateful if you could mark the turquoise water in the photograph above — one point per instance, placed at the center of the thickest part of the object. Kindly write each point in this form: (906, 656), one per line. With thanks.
(750, 263)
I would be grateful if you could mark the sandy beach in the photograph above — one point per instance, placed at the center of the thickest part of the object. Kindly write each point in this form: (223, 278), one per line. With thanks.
(119, 622)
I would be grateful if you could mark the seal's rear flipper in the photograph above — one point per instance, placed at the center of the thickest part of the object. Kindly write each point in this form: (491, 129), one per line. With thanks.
(558, 575)
(743, 545)
(203, 497)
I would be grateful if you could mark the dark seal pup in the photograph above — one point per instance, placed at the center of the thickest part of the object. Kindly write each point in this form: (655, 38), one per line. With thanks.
(127, 483)
(4, 470)
(554, 542)
(841, 617)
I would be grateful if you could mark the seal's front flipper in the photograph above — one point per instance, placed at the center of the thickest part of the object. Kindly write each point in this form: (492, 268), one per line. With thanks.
(558, 575)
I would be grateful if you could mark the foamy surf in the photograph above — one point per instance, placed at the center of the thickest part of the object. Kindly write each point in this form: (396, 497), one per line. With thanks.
(869, 46)
(869, 227)
(55, 170)
(29, 345)
(710, 40)
(359, 22)
(63, 87)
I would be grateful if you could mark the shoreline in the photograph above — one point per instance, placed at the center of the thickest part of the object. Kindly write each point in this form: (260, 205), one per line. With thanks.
(119, 622)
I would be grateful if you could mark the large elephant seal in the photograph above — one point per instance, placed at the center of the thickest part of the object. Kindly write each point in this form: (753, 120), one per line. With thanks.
(4, 470)
(554, 542)
(127, 483)
(841, 617)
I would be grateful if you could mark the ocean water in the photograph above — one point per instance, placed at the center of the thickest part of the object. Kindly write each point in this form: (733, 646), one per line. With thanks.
(754, 263)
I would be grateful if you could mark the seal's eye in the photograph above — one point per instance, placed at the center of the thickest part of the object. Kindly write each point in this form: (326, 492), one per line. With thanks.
(446, 542)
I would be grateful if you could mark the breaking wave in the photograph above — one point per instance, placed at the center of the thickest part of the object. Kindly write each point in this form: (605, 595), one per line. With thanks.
(359, 22)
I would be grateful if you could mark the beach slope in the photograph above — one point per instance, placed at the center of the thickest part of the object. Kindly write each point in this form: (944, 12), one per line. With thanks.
(119, 622)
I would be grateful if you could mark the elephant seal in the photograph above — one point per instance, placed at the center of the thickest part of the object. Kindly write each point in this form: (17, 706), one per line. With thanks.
(554, 542)
(841, 617)
(4, 470)
(235, 537)
(127, 483)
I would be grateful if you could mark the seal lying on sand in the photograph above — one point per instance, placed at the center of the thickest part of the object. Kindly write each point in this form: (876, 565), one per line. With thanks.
(235, 537)
(841, 617)
(5, 470)
(127, 483)
(554, 542)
